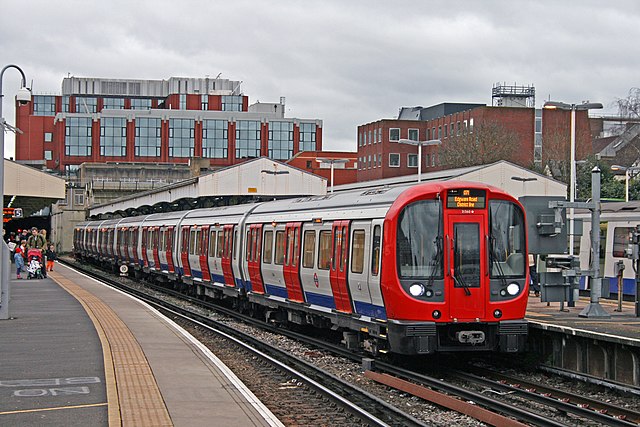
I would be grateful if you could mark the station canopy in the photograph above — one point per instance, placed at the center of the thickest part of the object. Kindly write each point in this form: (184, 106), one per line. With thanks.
(30, 189)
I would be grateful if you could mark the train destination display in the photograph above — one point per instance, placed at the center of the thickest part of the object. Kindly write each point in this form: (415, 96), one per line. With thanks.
(466, 198)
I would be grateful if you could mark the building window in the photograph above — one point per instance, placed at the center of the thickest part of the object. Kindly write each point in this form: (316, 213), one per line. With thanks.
(48, 155)
(140, 104)
(215, 139)
(231, 103)
(65, 104)
(182, 99)
(113, 136)
(412, 160)
(451, 131)
(71, 171)
(280, 143)
(247, 139)
(394, 134)
(375, 160)
(77, 140)
(458, 129)
(204, 102)
(370, 138)
(44, 105)
(471, 125)
(86, 105)
(48, 137)
(379, 134)
(464, 126)
(433, 160)
(445, 130)
(308, 137)
(414, 134)
(181, 137)
(359, 139)
(394, 160)
(147, 140)
(537, 143)
(113, 104)
(380, 161)
(369, 167)
(439, 132)
(78, 197)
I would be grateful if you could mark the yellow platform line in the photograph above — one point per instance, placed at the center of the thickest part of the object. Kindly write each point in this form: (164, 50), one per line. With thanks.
(132, 392)
(56, 408)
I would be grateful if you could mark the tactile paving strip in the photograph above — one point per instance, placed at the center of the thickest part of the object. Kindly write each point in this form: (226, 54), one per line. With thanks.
(133, 395)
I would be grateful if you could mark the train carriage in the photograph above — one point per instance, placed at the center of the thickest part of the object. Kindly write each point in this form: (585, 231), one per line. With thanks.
(409, 269)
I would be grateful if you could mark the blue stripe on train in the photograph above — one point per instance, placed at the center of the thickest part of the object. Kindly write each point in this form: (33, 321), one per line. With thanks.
(321, 300)
(276, 290)
(628, 285)
(371, 310)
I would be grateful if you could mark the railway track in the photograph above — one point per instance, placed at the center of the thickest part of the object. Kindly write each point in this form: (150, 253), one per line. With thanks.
(507, 401)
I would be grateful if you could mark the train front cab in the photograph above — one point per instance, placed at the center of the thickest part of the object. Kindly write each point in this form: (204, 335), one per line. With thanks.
(455, 272)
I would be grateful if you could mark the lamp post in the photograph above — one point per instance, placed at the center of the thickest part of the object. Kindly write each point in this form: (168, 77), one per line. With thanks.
(627, 171)
(331, 162)
(23, 96)
(420, 144)
(553, 105)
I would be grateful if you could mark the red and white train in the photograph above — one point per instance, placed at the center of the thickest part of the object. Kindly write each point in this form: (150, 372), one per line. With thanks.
(413, 270)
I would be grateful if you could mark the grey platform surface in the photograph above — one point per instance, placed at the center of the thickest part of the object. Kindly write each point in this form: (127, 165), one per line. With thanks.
(51, 364)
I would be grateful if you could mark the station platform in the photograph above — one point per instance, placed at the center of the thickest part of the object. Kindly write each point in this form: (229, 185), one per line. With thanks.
(76, 352)
(622, 327)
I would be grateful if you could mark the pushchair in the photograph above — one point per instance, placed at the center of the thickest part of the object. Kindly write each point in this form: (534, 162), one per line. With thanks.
(34, 264)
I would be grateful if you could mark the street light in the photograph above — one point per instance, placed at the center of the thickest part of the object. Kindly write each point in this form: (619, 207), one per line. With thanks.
(420, 144)
(627, 171)
(523, 180)
(23, 96)
(554, 105)
(331, 162)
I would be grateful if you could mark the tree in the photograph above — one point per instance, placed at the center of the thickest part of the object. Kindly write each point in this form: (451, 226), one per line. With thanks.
(487, 143)
(630, 106)
(610, 187)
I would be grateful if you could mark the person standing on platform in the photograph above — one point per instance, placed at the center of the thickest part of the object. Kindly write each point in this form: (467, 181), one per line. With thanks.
(36, 240)
(18, 258)
(43, 233)
(51, 257)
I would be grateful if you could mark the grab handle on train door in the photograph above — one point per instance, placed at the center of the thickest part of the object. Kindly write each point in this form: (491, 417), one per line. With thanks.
(448, 255)
(488, 240)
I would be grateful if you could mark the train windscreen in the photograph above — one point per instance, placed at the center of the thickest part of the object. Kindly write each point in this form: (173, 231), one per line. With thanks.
(419, 241)
(507, 237)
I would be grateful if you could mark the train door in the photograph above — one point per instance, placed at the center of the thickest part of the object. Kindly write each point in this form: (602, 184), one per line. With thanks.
(184, 252)
(145, 260)
(216, 245)
(465, 284)
(134, 236)
(358, 267)
(169, 249)
(254, 252)
(227, 255)
(291, 266)
(204, 253)
(156, 243)
(338, 270)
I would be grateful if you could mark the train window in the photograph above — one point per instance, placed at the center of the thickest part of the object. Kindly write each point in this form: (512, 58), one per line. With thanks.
(337, 247)
(268, 247)
(343, 249)
(308, 248)
(235, 239)
(192, 241)
(357, 251)
(212, 243)
(466, 255)
(324, 250)
(603, 244)
(220, 244)
(375, 251)
(621, 241)
(249, 244)
(507, 237)
(280, 242)
(296, 247)
(198, 242)
(419, 251)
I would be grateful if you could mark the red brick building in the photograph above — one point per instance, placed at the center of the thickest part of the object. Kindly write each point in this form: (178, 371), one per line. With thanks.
(380, 155)
(170, 121)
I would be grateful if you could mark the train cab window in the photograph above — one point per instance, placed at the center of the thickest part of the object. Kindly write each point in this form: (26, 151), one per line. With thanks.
(267, 250)
(308, 248)
(212, 243)
(357, 251)
(507, 239)
(419, 251)
(220, 250)
(375, 251)
(324, 250)
(280, 247)
(621, 241)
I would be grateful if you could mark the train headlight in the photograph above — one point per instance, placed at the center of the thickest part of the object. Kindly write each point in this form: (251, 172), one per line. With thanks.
(436, 314)
(416, 289)
(497, 314)
(513, 288)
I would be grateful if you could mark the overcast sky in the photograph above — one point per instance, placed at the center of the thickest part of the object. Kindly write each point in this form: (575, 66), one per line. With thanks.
(345, 62)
